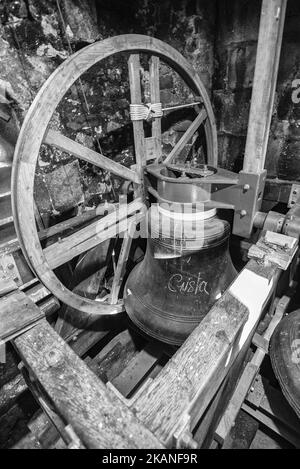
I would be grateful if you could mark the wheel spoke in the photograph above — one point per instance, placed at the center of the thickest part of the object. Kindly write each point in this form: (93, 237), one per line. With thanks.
(57, 139)
(123, 257)
(155, 98)
(138, 127)
(186, 136)
(116, 222)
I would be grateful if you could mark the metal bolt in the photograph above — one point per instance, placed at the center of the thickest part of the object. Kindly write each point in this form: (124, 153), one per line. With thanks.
(246, 187)
(10, 266)
(243, 213)
(54, 357)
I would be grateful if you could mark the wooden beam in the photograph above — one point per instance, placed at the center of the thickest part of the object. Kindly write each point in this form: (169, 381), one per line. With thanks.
(98, 418)
(17, 313)
(249, 374)
(138, 126)
(57, 139)
(187, 384)
(97, 232)
(155, 98)
(122, 260)
(264, 84)
(186, 136)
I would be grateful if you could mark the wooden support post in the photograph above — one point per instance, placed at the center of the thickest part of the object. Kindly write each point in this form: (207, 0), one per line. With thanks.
(99, 419)
(155, 98)
(189, 381)
(249, 374)
(138, 126)
(264, 84)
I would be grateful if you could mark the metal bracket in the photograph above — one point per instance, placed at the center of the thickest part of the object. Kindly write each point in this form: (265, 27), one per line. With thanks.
(248, 199)
(294, 195)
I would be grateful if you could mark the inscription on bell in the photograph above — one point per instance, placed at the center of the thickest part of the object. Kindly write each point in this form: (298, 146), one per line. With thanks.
(180, 284)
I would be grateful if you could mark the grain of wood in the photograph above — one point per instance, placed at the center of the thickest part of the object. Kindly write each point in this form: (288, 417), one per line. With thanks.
(97, 232)
(98, 418)
(17, 312)
(265, 77)
(6, 285)
(138, 125)
(186, 136)
(193, 372)
(189, 381)
(64, 143)
(155, 98)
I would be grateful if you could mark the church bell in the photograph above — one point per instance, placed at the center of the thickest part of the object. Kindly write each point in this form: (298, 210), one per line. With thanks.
(186, 268)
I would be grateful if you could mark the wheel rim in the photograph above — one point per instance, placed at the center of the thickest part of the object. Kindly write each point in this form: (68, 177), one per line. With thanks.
(32, 135)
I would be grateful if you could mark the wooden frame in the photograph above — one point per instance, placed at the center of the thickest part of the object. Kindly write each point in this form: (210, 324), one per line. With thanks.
(178, 397)
(35, 131)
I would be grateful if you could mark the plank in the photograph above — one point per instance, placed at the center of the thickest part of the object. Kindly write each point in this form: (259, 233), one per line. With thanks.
(191, 378)
(38, 292)
(186, 136)
(6, 285)
(97, 232)
(138, 126)
(64, 143)
(72, 223)
(17, 312)
(68, 224)
(276, 426)
(265, 76)
(137, 369)
(275, 405)
(35, 127)
(98, 418)
(155, 98)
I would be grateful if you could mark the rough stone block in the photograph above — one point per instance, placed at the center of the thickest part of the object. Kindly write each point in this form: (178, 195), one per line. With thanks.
(241, 65)
(64, 186)
(289, 59)
(232, 111)
(41, 195)
(238, 21)
(289, 161)
(231, 151)
(166, 82)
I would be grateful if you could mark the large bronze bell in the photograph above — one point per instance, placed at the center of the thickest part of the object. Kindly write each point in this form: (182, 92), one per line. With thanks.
(186, 268)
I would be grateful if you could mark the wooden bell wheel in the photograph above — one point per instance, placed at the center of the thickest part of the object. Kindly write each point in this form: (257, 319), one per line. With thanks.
(35, 132)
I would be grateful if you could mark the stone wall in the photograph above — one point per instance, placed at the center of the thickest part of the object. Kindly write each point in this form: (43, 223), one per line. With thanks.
(236, 43)
(35, 41)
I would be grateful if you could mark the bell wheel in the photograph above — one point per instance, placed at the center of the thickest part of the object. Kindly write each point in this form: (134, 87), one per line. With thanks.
(36, 131)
